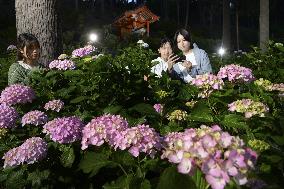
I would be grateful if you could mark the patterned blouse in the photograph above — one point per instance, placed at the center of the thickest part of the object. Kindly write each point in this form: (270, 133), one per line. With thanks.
(19, 72)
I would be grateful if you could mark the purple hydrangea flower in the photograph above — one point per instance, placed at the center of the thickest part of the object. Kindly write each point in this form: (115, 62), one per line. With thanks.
(64, 130)
(17, 94)
(62, 65)
(55, 105)
(236, 73)
(83, 51)
(31, 151)
(35, 118)
(106, 128)
(8, 116)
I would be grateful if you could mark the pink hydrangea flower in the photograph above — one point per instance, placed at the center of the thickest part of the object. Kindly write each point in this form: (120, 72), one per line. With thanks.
(62, 65)
(208, 83)
(64, 130)
(217, 154)
(248, 107)
(35, 118)
(159, 108)
(83, 51)
(31, 151)
(8, 116)
(106, 128)
(141, 138)
(17, 94)
(236, 73)
(54, 105)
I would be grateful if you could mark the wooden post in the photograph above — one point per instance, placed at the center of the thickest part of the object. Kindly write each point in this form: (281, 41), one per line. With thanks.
(148, 28)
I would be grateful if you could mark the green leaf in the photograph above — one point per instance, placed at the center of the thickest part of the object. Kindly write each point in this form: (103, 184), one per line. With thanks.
(16, 180)
(265, 168)
(199, 180)
(72, 73)
(170, 179)
(67, 157)
(234, 122)
(112, 109)
(144, 109)
(51, 73)
(278, 139)
(37, 177)
(128, 182)
(274, 158)
(121, 183)
(92, 162)
(201, 113)
(78, 99)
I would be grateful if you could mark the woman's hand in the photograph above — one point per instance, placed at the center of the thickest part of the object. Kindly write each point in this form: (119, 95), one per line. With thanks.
(171, 61)
(187, 64)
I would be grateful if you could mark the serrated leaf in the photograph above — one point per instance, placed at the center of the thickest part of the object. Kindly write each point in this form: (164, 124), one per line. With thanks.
(170, 179)
(51, 73)
(112, 109)
(72, 73)
(16, 180)
(274, 158)
(92, 162)
(234, 122)
(37, 177)
(278, 139)
(144, 109)
(201, 113)
(67, 157)
(121, 183)
(78, 99)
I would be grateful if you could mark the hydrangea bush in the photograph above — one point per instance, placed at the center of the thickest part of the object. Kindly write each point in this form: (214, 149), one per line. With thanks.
(118, 130)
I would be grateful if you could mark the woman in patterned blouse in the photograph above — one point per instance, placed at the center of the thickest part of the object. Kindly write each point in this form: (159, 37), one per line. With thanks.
(28, 52)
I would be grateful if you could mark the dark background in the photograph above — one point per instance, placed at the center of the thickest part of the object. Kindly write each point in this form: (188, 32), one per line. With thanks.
(204, 19)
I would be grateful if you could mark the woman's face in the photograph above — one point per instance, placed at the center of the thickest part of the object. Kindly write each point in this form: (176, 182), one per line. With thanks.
(165, 51)
(31, 54)
(182, 44)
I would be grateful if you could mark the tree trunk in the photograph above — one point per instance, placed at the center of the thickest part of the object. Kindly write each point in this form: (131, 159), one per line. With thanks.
(226, 25)
(178, 12)
(264, 24)
(186, 14)
(39, 17)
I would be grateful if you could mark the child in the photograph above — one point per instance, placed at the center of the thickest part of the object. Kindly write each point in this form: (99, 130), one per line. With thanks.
(167, 63)
(28, 51)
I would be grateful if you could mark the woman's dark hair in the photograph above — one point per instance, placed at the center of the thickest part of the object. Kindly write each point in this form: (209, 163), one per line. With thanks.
(165, 40)
(185, 34)
(26, 40)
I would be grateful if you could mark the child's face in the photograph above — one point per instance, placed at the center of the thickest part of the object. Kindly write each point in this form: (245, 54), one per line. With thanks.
(183, 44)
(165, 51)
(31, 54)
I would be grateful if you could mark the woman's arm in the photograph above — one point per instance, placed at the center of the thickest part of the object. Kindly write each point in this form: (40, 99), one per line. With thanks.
(205, 66)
